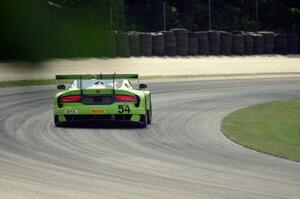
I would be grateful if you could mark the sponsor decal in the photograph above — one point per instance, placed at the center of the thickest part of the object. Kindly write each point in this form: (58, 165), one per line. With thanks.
(71, 111)
(98, 111)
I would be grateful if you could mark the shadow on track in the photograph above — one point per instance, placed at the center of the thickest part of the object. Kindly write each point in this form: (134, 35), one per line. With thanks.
(102, 125)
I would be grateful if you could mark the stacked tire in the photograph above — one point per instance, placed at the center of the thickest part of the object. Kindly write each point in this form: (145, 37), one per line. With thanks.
(226, 43)
(123, 45)
(158, 44)
(269, 39)
(214, 42)
(237, 44)
(192, 43)
(299, 43)
(146, 44)
(203, 44)
(292, 43)
(258, 44)
(134, 43)
(248, 44)
(170, 43)
(280, 43)
(181, 41)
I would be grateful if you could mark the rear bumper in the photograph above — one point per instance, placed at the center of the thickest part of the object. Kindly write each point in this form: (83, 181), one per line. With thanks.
(104, 117)
(98, 118)
(76, 112)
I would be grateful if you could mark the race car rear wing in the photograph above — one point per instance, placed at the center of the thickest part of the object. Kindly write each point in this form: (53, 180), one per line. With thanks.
(97, 76)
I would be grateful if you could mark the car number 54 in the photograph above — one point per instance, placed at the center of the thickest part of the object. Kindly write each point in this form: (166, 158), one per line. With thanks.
(123, 108)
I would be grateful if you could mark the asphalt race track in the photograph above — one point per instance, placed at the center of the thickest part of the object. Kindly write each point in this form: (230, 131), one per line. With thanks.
(183, 154)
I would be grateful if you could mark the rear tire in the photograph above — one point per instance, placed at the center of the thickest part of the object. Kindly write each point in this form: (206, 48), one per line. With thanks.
(56, 122)
(144, 121)
(149, 116)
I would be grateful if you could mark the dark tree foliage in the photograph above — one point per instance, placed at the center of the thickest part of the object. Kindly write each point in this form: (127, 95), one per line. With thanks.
(40, 29)
(281, 15)
(143, 15)
(37, 29)
(278, 15)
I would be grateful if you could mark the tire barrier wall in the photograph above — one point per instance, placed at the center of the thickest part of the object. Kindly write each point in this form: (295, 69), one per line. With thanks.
(258, 44)
(292, 43)
(134, 43)
(182, 42)
(170, 43)
(158, 44)
(237, 44)
(248, 44)
(214, 42)
(203, 44)
(281, 43)
(146, 44)
(268, 42)
(226, 43)
(192, 43)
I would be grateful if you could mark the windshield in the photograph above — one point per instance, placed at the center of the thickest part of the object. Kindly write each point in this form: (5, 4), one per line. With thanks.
(100, 84)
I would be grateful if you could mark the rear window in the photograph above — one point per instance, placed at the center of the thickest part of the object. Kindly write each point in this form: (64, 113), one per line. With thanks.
(100, 84)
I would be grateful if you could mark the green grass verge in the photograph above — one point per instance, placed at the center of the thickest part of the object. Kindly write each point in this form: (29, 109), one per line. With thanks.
(156, 77)
(152, 77)
(272, 128)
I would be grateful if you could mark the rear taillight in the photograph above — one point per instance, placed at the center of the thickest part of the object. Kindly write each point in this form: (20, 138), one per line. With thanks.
(71, 98)
(125, 98)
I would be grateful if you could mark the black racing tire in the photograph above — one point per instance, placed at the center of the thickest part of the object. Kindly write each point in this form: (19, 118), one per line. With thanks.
(56, 122)
(144, 121)
(149, 115)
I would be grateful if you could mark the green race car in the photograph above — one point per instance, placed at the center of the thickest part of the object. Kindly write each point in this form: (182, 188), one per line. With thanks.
(104, 97)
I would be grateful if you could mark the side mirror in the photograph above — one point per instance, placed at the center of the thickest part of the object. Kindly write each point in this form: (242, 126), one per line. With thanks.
(143, 86)
(61, 87)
